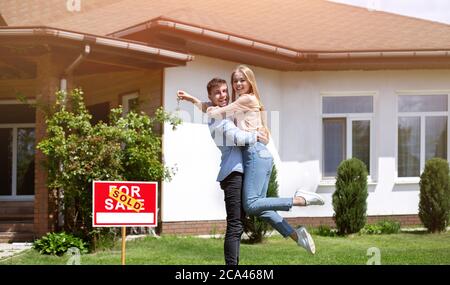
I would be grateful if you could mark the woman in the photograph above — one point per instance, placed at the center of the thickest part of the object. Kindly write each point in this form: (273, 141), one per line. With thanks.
(246, 109)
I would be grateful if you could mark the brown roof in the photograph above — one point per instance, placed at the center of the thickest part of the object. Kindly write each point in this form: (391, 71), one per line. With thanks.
(304, 25)
(39, 12)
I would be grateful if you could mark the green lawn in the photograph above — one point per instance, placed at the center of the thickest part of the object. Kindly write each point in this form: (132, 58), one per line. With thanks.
(405, 248)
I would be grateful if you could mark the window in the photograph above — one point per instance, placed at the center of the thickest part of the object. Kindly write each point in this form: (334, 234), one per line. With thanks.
(346, 125)
(347, 104)
(334, 144)
(130, 102)
(25, 161)
(422, 132)
(6, 158)
(99, 112)
(17, 144)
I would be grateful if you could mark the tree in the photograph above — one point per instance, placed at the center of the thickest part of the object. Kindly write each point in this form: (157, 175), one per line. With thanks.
(434, 204)
(349, 199)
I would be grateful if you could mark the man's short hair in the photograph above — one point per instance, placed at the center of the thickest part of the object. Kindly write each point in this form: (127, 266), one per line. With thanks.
(215, 82)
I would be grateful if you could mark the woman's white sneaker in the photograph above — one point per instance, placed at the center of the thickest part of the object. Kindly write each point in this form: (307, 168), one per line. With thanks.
(305, 240)
(310, 198)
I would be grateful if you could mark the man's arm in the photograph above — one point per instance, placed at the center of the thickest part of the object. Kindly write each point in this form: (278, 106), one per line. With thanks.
(183, 95)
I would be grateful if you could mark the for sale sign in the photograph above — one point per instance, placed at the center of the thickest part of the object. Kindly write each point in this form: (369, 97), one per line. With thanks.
(124, 203)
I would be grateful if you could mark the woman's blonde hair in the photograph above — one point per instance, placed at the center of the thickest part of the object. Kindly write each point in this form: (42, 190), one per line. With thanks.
(250, 76)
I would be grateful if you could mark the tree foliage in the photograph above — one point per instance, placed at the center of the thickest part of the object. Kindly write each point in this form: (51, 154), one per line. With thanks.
(434, 204)
(349, 199)
(78, 152)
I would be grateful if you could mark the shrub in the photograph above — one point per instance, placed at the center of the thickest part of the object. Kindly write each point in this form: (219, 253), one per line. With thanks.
(434, 204)
(349, 199)
(372, 229)
(78, 153)
(325, 231)
(389, 227)
(58, 244)
(256, 227)
(105, 238)
(382, 227)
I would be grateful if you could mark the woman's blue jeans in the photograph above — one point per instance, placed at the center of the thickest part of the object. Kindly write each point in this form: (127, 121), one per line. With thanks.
(258, 163)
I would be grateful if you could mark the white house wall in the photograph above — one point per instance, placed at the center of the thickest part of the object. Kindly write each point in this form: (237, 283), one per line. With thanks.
(293, 101)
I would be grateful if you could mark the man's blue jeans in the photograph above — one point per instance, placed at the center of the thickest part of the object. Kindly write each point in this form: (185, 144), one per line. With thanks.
(258, 163)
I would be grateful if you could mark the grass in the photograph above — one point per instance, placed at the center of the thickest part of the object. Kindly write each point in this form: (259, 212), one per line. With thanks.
(403, 248)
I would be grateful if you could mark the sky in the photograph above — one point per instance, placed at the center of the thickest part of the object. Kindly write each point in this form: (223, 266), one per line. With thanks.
(434, 10)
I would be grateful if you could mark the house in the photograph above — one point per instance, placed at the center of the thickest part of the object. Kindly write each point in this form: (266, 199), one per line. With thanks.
(338, 82)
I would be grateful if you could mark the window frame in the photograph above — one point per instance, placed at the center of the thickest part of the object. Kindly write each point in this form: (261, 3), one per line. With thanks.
(422, 116)
(349, 118)
(14, 196)
(125, 100)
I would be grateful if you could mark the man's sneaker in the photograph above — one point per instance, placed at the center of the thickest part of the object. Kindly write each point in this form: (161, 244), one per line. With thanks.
(305, 240)
(310, 197)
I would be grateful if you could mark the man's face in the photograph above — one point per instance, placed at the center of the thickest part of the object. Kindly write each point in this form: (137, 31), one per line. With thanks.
(219, 95)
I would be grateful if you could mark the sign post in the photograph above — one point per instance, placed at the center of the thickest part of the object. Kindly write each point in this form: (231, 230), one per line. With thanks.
(124, 204)
(124, 238)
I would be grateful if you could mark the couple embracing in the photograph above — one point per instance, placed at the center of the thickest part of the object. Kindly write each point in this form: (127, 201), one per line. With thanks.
(240, 132)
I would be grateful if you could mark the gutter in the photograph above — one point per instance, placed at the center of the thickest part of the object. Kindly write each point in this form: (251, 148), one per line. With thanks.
(279, 50)
(209, 33)
(294, 53)
(230, 38)
(385, 54)
(99, 40)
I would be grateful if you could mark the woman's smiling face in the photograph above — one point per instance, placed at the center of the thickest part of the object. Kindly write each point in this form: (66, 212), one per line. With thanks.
(240, 83)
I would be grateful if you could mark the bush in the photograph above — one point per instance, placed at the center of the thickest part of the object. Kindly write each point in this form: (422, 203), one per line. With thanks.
(255, 227)
(372, 229)
(434, 204)
(58, 244)
(389, 227)
(349, 199)
(325, 231)
(78, 153)
(382, 227)
(105, 238)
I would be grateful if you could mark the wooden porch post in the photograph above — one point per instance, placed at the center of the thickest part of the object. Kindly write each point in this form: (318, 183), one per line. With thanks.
(48, 84)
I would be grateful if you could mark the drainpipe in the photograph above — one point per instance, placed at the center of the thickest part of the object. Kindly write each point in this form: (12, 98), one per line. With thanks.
(68, 72)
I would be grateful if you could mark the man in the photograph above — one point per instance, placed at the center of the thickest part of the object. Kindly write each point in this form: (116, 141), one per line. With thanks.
(228, 138)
